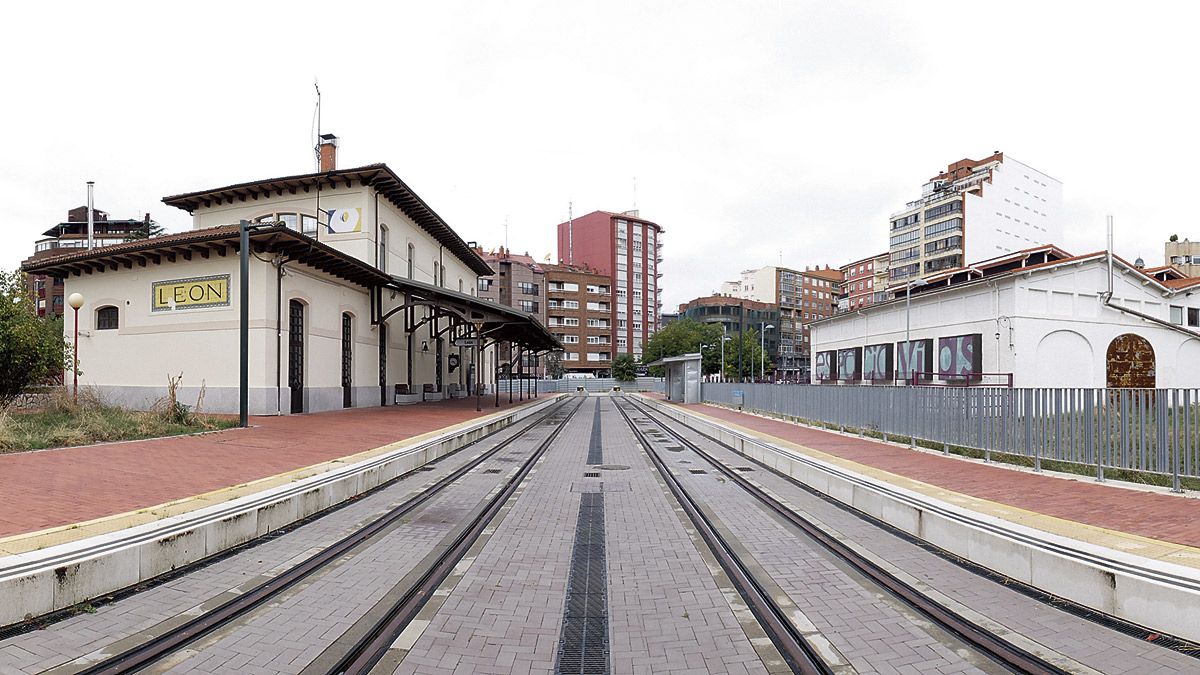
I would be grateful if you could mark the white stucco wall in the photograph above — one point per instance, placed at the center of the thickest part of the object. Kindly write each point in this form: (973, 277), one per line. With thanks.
(130, 365)
(1049, 328)
(1019, 209)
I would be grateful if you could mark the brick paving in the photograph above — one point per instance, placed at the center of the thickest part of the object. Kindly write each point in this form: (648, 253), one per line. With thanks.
(295, 628)
(1086, 642)
(86, 633)
(72, 485)
(1151, 515)
(869, 629)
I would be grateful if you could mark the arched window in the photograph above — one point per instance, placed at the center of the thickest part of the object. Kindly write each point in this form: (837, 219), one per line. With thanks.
(435, 273)
(412, 253)
(381, 262)
(107, 318)
(460, 286)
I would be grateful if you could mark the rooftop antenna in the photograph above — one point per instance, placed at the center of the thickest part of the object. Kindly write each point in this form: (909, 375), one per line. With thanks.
(570, 234)
(91, 217)
(317, 114)
(506, 233)
(635, 193)
(1109, 252)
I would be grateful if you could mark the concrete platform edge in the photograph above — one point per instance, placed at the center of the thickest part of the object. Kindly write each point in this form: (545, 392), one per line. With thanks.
(1156, 594)
(39, 582)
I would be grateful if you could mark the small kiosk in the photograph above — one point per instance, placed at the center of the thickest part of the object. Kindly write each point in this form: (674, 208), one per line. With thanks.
(683, 377)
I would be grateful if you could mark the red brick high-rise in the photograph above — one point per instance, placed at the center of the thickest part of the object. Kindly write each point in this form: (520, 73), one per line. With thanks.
(628, 249)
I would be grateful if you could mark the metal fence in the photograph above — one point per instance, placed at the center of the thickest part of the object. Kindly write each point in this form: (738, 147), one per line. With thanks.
(1155, 431)
(599, 384)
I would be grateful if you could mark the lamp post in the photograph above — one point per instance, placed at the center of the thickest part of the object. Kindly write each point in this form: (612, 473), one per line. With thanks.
(75, 300)
(762, 348)
(724, 339)
(908, 351)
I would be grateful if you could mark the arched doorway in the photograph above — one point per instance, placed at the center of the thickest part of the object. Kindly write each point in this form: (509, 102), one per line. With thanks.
(296, 354)
(1129, 362)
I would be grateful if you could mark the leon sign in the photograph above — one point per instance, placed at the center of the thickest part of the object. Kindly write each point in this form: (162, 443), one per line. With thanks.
(192, 293)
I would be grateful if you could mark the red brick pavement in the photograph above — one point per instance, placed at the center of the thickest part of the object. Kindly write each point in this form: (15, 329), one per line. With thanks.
(49, 488)
(1155, 516)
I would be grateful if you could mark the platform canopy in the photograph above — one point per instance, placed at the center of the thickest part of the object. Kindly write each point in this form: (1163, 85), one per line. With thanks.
(460, 315)
(465, 316)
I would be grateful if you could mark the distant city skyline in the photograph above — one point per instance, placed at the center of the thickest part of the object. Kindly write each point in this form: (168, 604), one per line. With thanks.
(749, 131)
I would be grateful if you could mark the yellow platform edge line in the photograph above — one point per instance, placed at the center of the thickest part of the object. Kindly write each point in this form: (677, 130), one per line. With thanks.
(1167, 551)
(61, 534)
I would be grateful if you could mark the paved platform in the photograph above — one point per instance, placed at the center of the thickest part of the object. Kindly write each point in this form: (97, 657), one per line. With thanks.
(1146, 522)
(67, 493)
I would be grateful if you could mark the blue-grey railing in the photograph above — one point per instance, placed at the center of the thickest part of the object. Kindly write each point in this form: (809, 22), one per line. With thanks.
(1148, 430)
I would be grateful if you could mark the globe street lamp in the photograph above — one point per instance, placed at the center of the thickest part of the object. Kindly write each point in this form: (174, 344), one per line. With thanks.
(724, 339)
(762, 348)
(75, 300)
(908, 350)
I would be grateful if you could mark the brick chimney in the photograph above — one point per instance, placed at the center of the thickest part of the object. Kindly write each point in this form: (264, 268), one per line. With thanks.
(327, 151)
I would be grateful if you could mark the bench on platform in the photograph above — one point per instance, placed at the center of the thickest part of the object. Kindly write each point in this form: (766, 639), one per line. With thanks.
(431, 393)
(404, 397)
(453, 390)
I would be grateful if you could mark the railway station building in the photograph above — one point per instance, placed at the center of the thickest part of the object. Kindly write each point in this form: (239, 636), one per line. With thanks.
(1033, 318)
(360, 295)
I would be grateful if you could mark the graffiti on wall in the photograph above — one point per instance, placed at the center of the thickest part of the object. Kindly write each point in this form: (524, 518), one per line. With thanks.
(849, 364)
(826, 366)
(877, 362)
(959, 356)
(914, 357)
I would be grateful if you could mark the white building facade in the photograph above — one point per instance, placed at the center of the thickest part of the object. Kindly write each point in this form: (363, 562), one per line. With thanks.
(975, 210)
(359, 295)
(1043, 318)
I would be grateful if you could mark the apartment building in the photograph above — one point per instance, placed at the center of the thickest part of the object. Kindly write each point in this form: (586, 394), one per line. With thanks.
(972, 211)
(519, 282)
(627, 249)
(738, 315)
(863, 283)
(1183, 256)
(579, 313)
(47, 291)
(803, 296)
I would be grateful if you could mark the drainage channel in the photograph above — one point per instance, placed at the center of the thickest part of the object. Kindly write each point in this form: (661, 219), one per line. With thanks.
(583, 648)
(595, 446)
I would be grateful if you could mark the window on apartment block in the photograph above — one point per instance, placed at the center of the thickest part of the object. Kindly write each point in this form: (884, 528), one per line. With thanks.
(528, 288)
(484, 284)
(528, 306)
(942, 209)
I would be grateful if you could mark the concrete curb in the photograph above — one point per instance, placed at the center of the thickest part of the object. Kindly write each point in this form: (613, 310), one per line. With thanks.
(1159, 595)
(40, 582)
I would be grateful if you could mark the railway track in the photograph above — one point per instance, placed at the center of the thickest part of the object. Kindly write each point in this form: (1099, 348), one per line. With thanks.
(172, 641)
(801, 656)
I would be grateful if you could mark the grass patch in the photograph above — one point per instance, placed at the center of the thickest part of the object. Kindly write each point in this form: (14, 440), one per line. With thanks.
(64, 423)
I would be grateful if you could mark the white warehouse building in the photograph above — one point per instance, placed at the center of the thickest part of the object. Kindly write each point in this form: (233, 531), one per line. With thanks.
(1035, 318)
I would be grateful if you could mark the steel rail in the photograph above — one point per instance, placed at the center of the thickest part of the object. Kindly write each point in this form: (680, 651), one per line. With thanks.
(983, 640)
(148, 652)
(800, 656)
(372, 647)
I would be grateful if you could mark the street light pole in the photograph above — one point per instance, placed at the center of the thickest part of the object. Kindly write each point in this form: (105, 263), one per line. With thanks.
(908, 350)
(762, 348)
(75, 301)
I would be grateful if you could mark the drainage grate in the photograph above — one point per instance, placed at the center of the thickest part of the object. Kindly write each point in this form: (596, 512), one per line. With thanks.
(591, 474)
(491, 470)
(428, 468)
(674, 448)
(697, 471)
(743, 469)
(595, 449)
(583, 647)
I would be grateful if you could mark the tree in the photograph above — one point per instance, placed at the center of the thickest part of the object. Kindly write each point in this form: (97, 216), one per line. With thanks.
(32, 348)
(554, 366)
(752, 355)
(1174, 237)
(145, 230)
(685, 337)
(624, 368)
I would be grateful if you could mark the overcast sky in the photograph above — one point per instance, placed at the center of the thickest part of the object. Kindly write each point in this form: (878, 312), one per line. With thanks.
(753, 129)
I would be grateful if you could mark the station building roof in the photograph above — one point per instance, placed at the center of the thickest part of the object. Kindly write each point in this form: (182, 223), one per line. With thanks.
(377, 176)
